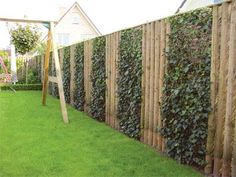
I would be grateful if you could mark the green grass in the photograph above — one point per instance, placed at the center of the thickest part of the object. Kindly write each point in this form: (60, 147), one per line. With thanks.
(34, 142)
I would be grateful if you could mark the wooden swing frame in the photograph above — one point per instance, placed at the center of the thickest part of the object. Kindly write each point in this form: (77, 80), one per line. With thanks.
(51, 43)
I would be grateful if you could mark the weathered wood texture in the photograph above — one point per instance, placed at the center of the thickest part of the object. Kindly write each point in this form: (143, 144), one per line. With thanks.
(154, 46)
(221, 123)
(112, 48)
(87, 73)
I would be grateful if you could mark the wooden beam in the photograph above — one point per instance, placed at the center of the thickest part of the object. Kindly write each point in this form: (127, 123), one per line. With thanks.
(59, 76)
(25, 20)
(46, 66)
(52, 79)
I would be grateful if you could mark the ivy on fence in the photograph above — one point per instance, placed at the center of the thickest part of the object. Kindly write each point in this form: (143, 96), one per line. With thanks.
(98, 79)
(186, 92)
(66, 73)
(79, 93)
(129, 81)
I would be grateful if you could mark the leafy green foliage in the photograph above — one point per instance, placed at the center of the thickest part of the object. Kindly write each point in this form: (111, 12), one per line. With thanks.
(32, 76)
(129, 81)
(25, 38)
(98, 79)
(22, 87)
(186, 92)
(66, 73)
(79, 93)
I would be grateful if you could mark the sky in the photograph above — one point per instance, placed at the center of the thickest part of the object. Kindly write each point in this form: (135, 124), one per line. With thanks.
(107, 15)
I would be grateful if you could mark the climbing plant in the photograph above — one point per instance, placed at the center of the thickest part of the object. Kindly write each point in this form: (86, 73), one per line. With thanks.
(98, 79)
(79, 93)
(186, 93)
(129, 81)
(66, 73)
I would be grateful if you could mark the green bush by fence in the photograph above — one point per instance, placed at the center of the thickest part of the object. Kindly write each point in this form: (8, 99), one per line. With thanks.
(79, 93)
(22, 87)
(186, 100)
(129, 81)
(98, 79)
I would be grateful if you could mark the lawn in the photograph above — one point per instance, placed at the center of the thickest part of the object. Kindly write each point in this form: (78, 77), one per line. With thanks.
(34, 142)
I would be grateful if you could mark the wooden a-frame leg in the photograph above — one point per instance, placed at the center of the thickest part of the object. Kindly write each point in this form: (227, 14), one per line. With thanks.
(59, 75)
(46, 66)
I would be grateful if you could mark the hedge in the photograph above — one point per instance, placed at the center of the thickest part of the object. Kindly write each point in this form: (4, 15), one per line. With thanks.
(22, 87)
(186, 92)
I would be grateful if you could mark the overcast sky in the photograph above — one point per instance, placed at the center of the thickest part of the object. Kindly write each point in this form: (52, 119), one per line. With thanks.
(107, 15)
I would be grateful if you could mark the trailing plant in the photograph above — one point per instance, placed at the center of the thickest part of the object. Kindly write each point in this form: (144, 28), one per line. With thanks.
(98, 79)
(79, 93)
(129, 81)
(66, 73)
(186, 93)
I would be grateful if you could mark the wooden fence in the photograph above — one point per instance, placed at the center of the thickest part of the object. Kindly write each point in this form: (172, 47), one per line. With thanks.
(221, 142)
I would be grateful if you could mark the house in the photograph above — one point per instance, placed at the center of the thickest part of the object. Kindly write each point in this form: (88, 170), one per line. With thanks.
(188, 5)
(74, 26)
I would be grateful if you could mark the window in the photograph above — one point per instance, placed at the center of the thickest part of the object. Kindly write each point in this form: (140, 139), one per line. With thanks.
(63, 38)
(76, 18)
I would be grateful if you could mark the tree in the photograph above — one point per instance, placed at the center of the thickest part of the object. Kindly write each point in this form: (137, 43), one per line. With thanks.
(25, 38)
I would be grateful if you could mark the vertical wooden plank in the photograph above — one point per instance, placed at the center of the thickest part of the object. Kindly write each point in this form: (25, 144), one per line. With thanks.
(109, 79)
(211, 119)
(46, 66)
(151, 88)
(161, 76)
(116, 77)
(107, 104)
(167, 32)
(156, 83)
(72, 73)
(147, 84)
(142, 121)
(227, 150)
(218, 151)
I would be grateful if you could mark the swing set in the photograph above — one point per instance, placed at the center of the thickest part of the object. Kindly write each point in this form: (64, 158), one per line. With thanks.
(50, 44)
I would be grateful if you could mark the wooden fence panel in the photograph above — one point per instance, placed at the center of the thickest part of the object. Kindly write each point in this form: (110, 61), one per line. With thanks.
(154, 47)
(112, 46)
(87, 72)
